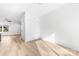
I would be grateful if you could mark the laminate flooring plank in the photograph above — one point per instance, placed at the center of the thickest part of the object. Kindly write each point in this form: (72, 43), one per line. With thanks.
(13, 46)
(44, 50)
(59, 50)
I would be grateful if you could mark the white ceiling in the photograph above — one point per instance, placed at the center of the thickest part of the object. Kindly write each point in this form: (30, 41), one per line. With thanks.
(14, 11)
(38, 10)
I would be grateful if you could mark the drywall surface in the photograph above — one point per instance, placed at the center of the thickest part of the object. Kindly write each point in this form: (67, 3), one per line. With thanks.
(32, 21)
(32, 27)
(14, 28)
(23, 26)
(64, 22)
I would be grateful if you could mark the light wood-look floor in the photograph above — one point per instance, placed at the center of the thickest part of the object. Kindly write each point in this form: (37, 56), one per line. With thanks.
(14, 46)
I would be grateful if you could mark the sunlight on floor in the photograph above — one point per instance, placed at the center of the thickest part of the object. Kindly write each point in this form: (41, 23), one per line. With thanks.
(50, 38)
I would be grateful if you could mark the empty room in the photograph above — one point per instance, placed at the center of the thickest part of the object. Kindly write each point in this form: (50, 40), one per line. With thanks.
(39, 29)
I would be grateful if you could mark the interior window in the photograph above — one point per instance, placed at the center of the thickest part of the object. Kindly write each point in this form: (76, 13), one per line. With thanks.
(0, 28)
(5, 28)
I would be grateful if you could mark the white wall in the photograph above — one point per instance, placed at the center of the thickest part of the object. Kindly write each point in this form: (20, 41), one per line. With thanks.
(32, 21)
(14, 28)
(64, 22)
(23, 26)
(32, 27)
(13, 12)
